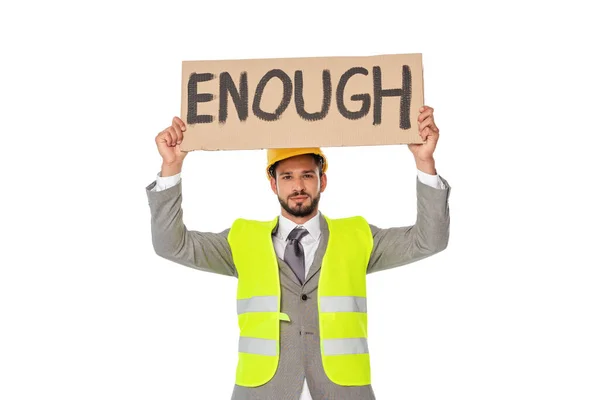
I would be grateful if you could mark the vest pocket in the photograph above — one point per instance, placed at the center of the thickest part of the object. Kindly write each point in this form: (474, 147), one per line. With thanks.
(344, 348)
(258, 348)
(263, 325)
(344, 325)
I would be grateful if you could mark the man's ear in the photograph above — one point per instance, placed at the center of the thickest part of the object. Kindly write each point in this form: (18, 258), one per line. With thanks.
(323, 182)
(273, 185)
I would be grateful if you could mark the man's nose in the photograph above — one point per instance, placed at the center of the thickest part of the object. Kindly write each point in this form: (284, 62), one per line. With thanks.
(298, 184)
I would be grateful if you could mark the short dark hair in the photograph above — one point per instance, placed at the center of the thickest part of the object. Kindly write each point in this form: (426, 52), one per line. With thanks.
(318, 160)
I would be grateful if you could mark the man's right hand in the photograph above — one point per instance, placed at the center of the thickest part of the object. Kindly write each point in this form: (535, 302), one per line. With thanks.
(168, 142)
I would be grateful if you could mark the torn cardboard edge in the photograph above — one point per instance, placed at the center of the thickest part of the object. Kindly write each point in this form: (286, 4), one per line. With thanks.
(301, 102)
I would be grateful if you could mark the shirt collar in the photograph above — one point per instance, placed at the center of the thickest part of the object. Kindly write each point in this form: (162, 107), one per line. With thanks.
(286, 225)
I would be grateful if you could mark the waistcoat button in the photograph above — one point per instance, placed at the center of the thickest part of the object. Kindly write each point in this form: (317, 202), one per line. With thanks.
(304, 297)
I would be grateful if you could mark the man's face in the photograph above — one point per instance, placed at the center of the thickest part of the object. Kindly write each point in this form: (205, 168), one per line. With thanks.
(298, 186)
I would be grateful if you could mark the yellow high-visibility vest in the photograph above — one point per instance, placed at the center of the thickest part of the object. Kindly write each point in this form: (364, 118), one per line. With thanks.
(342, 300)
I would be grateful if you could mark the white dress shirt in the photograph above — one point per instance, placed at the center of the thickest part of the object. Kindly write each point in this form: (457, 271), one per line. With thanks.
(309, 242)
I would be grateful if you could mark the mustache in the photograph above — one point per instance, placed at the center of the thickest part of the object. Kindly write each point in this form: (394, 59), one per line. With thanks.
(301, 193)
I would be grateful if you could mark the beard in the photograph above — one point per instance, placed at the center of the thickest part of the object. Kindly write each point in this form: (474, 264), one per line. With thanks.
(298, 209)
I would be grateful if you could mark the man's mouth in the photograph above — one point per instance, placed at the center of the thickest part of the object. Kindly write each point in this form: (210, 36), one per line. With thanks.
(299, 198)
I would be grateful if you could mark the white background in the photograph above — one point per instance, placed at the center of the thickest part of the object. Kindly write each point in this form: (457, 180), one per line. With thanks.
(87, 309)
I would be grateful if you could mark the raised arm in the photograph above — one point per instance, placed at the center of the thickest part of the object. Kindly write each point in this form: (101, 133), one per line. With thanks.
(206, 251)
(429, 235)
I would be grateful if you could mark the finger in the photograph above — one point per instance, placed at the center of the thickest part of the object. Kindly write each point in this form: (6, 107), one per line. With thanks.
(427, 132)
(426, 123)
(430, 135)
(178, 134)
(434, 125)
(168, 137)
(173, 134)
(160, 138)
(428, 112)
(180, 123)
(163, 137)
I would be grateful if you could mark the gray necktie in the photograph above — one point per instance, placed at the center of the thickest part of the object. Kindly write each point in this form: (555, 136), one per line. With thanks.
(294, 252)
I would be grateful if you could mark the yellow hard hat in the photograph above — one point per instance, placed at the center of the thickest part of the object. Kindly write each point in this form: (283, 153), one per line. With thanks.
(274, 155)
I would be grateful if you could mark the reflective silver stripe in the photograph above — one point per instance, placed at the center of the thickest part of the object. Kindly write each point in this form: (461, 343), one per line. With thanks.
(343, 304)
(336, 347)
(265, 347)
(257, 304)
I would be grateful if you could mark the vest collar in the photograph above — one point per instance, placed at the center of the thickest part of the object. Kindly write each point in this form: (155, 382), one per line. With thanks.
(310, 283)
(285, 226)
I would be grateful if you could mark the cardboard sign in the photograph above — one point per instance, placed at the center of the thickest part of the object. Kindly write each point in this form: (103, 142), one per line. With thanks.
(301, 102)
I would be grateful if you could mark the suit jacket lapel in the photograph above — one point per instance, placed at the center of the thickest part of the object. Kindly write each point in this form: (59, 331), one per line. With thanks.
(320, 253)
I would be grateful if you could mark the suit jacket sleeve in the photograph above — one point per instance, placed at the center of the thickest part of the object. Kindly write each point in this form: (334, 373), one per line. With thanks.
(172, 240)
(394, 247)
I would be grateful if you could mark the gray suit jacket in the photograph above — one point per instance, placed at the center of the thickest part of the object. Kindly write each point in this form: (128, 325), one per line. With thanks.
(300, 354)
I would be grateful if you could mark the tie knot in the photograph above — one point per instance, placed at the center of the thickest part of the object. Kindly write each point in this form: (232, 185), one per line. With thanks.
(297, 233)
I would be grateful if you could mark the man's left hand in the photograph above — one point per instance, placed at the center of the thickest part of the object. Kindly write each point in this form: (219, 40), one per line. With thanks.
(429, 132)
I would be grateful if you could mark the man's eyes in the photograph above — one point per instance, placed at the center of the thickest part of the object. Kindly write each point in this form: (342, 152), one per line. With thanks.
(310, 176)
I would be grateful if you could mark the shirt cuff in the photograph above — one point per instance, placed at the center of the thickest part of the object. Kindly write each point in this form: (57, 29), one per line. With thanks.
(430, 180)
(166, 182)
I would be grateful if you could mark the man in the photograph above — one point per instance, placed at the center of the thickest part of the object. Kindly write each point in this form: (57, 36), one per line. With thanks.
(302, 276)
